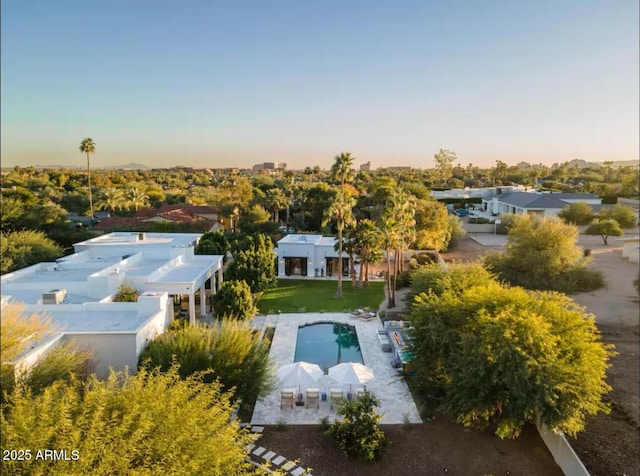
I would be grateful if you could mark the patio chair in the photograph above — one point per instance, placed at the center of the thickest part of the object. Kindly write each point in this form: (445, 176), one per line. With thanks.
(367, 316)
(313, 397)
(359, 392)
(287, 397)
(336, 396)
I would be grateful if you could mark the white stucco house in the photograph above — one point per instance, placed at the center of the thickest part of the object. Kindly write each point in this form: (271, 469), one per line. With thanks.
(310, 255)
(76, 293)
(541, 203)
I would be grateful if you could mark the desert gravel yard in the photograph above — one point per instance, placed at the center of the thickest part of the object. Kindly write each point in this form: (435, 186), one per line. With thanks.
(436, 448)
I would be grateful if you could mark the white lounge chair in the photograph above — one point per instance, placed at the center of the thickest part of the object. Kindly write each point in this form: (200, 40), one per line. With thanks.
(337, 395)
(313, 397)
(287, 397)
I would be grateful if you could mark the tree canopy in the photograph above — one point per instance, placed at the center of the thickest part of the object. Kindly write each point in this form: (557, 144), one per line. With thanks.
(253, 262)
(20, 249)
(579, 213)
(604, 228)
(500, 357)
(542, 253)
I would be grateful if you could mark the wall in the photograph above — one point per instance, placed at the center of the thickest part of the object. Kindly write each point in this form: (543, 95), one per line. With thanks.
(117, 350)
(562, 453)
(471, 228)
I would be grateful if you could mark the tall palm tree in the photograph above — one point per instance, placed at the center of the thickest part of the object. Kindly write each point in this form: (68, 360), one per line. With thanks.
(87, 146)
(398, 228)
(342, 169)
(368, 247)
(340, 210)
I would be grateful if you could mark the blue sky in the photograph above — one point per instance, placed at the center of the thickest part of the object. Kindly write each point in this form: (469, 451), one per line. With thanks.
(217, 84)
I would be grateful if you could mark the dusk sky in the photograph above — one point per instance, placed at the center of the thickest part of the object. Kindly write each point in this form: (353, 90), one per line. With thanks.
(235, 83)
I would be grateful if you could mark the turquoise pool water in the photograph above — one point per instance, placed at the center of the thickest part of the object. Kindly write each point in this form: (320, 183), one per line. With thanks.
(327, 344)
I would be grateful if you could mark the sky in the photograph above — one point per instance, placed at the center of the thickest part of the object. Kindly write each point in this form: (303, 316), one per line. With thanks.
(236, 83)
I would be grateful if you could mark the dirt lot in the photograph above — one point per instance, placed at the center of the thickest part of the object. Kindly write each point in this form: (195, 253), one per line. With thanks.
(432, 448)
(610, 444)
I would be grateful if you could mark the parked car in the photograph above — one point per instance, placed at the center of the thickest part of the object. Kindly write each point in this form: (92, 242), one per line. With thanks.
(462, 212)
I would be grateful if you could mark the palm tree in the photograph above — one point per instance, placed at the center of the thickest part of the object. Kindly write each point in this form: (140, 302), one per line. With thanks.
(368, 245)
(342, 169)
(137, 198)
(112, 199)
(398, 229)
(349, 246)
(87, 146)
(340, 210)
(276, 200)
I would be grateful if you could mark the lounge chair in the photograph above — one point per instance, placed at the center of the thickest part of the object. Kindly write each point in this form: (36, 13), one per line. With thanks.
(313, 397)
(336, 396)
(359, 393)
(287, 397)
(367, 316)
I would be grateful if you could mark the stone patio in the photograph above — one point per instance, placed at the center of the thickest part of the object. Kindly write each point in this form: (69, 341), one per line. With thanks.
(388, 385)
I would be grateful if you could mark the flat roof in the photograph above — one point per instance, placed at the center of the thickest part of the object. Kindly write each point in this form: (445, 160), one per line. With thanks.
(300, 239)
(112, 320)
(52, 275)
(187, 271)
(132, 238)
(33, 296)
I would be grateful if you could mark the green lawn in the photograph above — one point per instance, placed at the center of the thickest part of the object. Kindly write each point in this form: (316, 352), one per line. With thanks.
(306, 295)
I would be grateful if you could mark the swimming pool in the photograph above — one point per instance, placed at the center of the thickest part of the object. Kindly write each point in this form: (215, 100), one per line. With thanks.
(327, 344)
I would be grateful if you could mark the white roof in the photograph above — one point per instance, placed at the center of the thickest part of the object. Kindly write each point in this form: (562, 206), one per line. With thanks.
(132, 238)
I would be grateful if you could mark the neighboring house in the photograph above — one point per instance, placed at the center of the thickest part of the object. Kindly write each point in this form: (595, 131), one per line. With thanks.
(480, 192)
(77, 291)
(541, 203)
(203, 217)
(309, 255)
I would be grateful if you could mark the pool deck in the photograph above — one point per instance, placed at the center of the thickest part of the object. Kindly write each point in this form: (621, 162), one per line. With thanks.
(388, 385)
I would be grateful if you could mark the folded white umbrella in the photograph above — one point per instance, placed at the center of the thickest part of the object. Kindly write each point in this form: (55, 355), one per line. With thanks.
(299, 373)
(351, 373)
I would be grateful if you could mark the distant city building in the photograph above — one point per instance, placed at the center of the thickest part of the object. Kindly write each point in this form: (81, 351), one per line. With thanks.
(366, 167)
(270, 166)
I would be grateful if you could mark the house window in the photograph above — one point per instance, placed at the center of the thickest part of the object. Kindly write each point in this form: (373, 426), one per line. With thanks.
(295, 266)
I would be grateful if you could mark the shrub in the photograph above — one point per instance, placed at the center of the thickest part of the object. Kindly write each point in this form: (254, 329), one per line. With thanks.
(359, 434)
(542, 254)
(479, 221)
(579, 213)
(403, 280)
(232, 350)
(233, 299)
(126, 293)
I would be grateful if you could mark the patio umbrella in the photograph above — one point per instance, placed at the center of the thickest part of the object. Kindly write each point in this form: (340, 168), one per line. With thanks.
(351, 373)
(299, 373)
